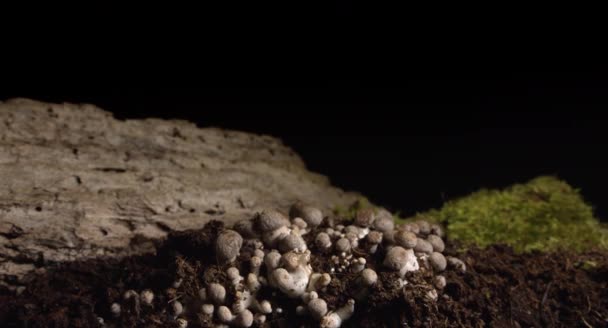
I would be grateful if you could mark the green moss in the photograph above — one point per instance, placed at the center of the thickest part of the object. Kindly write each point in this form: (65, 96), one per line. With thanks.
(543, 214)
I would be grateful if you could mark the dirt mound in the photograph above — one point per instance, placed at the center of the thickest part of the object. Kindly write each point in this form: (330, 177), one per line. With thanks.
(499, 289)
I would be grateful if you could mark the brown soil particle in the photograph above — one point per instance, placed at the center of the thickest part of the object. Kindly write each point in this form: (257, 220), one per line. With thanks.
(499, 289)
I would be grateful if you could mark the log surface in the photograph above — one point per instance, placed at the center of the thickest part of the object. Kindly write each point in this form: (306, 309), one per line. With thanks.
(75, 183)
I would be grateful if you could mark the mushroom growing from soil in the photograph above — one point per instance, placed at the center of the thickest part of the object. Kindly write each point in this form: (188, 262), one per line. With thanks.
(268, 255)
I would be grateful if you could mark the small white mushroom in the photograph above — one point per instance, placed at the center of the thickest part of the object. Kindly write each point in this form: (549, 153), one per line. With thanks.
(317, 308)
(243, 319)
(456, 264)
(177, 283)
(358, 264)
(366, 279)
(259, 319)
(292, 241)
(129, 294)
(437, 230)
(323, 241)
(401, 259)
(182, 323)
(423, 246)
(411, 227)
(343, 245)
(432, 295)
(235, 277)
(309, 296)
(299, 224)
(318, 281)
(438, 261)
(272, 260)
(147, 297)
(436, 242)
(228, 246)
(336, 318)
(273, 225)
(207, 309)
(178, 308)
(115, 309)
(216, 293)
(313, 216)
(406, 239)
(253, 283)
(255, 263)
(439, 282)
(365, 218)
(384, 221)
(353, 238)
(424, 226)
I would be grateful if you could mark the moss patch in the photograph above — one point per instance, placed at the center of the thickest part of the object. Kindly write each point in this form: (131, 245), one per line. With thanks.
(543, 214)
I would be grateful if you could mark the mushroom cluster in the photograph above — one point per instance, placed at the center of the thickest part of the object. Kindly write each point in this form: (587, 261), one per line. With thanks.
(273, 252)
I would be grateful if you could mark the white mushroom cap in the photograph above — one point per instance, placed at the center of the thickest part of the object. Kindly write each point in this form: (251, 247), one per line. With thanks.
(178, 308)
(291, 242)
(269, 220)
(216, 293)
(439, 282)
(438, 261)
(384, 224)
(224, 314)
(317, 308)
(343, 245)
(115, 309)
(400, 259)
(368, 277)
(300, 223)
(259, 319)
(290, 261)
(437, 230)
(436, 242)
(147, 297)
(272, 260)
(406, 239)
(182, 323)
(243, 319)
(425, 227)
(313, 216)
(365, 218)
(423, 246)
(336, 318)
(411, 227)
(351, 229)
(323, 241)
(457, 264)
(228, 245)
(130, 294)
(207, 309)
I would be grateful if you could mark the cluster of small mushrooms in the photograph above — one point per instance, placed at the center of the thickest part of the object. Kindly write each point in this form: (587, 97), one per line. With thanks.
(279, 258)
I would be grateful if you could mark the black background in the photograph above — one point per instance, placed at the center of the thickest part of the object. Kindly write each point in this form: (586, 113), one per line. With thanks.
(408, 144)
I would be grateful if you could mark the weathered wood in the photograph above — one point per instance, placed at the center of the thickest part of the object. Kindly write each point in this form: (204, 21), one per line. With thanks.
(76, 183)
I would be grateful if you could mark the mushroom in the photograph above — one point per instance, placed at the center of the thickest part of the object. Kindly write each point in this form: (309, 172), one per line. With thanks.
(401, 259)
(335, 319)
(228, 246)
(313, 216)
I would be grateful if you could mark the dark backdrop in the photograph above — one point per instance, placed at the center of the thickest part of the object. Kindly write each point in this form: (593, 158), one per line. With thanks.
(408, 145)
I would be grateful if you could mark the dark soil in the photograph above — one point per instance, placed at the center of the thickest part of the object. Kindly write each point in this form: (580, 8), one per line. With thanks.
(499, 289)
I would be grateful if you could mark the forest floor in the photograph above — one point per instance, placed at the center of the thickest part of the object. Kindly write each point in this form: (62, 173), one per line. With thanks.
(499, 289)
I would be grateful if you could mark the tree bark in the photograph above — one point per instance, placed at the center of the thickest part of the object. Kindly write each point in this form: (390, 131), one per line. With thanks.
(75, 183)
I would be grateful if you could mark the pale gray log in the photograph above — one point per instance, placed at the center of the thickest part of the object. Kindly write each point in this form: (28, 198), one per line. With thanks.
(75, 183)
